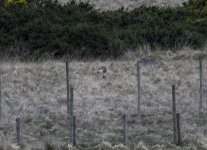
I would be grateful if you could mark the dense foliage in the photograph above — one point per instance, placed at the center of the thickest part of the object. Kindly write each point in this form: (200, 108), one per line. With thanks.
(46, 28)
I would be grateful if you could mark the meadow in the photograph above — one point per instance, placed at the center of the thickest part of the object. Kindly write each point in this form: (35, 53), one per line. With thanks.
(37, 38)
(36, 92)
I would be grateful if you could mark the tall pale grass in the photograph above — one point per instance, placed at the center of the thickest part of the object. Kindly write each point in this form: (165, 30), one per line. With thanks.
(130, 4)
(36, 92)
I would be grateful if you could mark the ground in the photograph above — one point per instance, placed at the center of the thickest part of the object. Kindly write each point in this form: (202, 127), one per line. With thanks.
(36, 92)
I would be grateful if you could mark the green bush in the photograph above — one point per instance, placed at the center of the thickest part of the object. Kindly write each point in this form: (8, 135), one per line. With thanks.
(47, 28)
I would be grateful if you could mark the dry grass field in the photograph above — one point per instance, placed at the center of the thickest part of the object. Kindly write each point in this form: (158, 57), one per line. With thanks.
(116, 4)
(36, 92)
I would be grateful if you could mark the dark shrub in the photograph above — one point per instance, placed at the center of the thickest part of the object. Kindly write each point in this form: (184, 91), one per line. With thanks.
(47, 28)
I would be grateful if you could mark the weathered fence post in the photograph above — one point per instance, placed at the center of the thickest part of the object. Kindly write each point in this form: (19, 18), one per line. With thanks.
(174, 113)
(18, 130)
(125, 129)
(69, 102)
(201, 85)
(71, 113)
(139, 87)
(68, 85)
(178, 129)
(0, 100)
(74, 131)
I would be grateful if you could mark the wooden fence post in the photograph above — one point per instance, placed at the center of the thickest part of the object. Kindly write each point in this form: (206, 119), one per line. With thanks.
(174, 113)
(71, 113)
(139, 87)
(74, 131)
(68, 85)
(69, 102)
(125, 129)
(201, 85)
(0, 99)
(18, 131)
(178, 129)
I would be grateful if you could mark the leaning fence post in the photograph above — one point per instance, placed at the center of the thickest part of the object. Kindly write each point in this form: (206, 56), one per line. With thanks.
(18, 131)
(178, 129)
(74, 131)
(174, 113)
(125, 129)
(201, 85)
(71, 113)
(139, 88)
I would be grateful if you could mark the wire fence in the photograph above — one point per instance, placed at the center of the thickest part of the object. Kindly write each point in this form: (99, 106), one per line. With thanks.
(150, 121)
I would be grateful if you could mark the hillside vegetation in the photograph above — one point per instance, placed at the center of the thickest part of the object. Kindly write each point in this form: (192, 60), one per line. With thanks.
(36, 91)
(47, 29)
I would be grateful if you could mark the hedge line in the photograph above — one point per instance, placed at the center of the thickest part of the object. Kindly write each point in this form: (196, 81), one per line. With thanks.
(47, 28)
